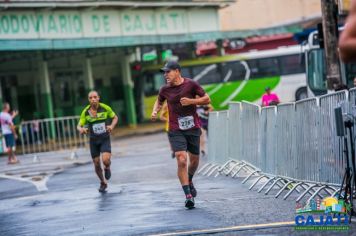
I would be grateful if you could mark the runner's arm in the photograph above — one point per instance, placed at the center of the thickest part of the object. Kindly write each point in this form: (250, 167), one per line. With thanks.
(347, 42)
(114, 121)
(81, 123)
(164, 113)
(156, 108)
(204, 100)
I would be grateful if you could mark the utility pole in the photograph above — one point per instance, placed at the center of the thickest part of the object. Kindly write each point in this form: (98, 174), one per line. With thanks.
(330, 31)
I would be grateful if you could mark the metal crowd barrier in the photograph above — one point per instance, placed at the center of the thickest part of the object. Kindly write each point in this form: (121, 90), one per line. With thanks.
(50, 134)
(291, 147)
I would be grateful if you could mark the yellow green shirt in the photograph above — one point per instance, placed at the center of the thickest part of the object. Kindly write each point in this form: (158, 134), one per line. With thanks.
(97, 125)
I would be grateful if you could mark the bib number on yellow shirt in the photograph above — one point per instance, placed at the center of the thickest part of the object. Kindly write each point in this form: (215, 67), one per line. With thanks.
(99, 128)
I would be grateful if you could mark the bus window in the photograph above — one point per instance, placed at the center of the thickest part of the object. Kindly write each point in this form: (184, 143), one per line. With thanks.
(263, 67)
(233, 71)
(316, 71)
(350, 74)
(207, 74)
(268, 67)
(292, 64)
(153, 82)
(186, 72)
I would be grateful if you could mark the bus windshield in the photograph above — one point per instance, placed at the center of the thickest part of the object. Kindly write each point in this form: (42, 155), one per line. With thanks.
(317, 71)
(316, 68)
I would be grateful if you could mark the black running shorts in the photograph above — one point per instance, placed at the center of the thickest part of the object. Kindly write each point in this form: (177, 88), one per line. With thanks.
(187, 140)
(99, 145)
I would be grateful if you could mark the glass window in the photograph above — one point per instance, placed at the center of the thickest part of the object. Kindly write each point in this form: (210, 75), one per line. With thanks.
(207, 74)
(186, 72)
(292, 64)
(233, 71)
(350, 74)
(268, 67)
(153, 82)
(316, 71)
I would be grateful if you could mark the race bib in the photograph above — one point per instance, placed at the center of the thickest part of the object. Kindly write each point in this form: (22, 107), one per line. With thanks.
(99, 128)
(186, 122)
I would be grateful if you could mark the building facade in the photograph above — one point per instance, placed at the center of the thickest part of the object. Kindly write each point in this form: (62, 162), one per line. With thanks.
(53, 52)
(257, 14)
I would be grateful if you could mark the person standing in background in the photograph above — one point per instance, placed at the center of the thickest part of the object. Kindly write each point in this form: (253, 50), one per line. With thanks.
(203, 113)
(269, 98)
(9, 132)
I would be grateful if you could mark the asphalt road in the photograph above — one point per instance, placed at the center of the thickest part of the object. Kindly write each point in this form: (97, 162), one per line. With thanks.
(144, 198)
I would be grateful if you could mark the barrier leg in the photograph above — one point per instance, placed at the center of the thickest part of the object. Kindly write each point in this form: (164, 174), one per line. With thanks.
(316, 192)
(233, 176)
(305, 192)
(265, 184)
(270, 187)
(283, 188)
(204, 166)
(257, 180)
(252, 173)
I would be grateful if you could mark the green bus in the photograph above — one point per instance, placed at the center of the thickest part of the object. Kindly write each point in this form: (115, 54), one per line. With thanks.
(238, 77)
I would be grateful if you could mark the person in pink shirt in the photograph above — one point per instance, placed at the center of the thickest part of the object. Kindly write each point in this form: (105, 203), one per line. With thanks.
(269, 99)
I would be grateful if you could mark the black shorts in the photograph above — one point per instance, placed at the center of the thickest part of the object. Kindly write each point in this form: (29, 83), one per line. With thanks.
(187, 140)
(99, 145)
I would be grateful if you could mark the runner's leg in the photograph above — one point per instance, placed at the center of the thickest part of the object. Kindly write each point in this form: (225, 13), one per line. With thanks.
(107, 162)
(98, 169)
(193, 148)
(182, 167)
(193, 165)
(183, 178)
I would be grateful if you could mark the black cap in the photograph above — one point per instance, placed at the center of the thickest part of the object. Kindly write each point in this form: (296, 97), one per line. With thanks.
(267, 88)
(170, 65)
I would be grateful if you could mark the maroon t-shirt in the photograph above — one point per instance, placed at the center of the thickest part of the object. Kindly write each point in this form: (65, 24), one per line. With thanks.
(181, 117)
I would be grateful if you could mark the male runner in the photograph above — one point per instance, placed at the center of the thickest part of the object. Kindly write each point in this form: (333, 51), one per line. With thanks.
(98, 116)
(184, 126)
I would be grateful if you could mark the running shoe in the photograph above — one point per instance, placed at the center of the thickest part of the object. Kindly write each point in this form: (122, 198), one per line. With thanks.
(103, 187)
(189, 202)
(193, 191)
(107, 173)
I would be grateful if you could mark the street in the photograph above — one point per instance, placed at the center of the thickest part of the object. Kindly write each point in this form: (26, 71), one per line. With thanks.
(144, 198)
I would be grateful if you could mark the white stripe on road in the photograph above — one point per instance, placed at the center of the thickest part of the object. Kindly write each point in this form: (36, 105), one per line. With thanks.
(40, 185)
(231, 228)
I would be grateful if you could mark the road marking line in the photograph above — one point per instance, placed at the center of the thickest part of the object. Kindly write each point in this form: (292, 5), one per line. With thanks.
(40, 185)
(231, 228)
